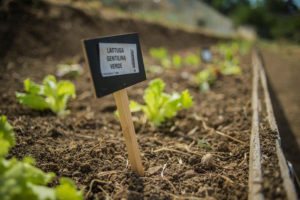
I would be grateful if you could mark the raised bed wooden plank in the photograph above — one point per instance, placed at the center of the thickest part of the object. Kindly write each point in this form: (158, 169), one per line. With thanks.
(287, 181)
(255, 172)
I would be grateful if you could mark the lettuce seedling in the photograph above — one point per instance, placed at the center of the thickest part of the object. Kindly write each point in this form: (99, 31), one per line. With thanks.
(203, 144)
(160, 105)
(67, 190)
(21, 180)
(192, 59)
(161, 55)
(230, 57)
(242, 47)
(206, 77)
(166, 63)
(71, 70)
(230, 48)
(245, 47)
(158, 53)
(6, 137)
(51, 95)
(177, 60)
(228, 68)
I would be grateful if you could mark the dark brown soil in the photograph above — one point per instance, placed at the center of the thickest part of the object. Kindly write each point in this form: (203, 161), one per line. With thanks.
(56, 30)
(88, 145)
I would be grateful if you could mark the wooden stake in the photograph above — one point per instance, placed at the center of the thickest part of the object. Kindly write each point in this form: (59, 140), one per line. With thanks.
(122, 102)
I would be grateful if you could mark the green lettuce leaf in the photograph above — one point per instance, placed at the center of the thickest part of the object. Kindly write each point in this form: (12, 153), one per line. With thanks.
(51, 95)
(160, 105)
(21, 180)
(186, 99)
(230, 69)
(33, 101)
(177, 61)
(192, 59)
(135, 106)
(67, 190)
(158, 53)
(6, 136)
(32, 87)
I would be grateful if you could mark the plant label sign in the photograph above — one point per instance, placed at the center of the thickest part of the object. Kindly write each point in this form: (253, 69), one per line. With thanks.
(206, 54)
(118, 59)
(116, 63)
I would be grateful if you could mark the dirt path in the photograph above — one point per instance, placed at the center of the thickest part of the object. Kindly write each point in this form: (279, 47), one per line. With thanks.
(282, 66)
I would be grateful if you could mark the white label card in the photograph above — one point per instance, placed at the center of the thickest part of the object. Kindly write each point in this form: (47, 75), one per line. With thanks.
(118, 59)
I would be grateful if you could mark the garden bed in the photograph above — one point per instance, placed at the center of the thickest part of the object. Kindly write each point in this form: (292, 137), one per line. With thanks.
(88, 145)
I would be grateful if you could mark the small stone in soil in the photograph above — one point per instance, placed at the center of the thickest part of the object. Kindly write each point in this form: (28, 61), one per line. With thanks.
(207, 160)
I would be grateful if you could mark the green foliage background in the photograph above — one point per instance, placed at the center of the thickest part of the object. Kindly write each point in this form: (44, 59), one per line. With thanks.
(273, 19)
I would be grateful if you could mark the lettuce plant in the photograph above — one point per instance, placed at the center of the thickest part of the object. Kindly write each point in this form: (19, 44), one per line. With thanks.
(245, 47)
(161, 55)
(21, 180)
(160, 105)
(192, 59)
(177, 60)
(235, 47)
(7, 139)
(228, 68)
(158, 53)
(228, 48)
(71, 70)
(51, 95)
(167, 61)
(206, 77)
